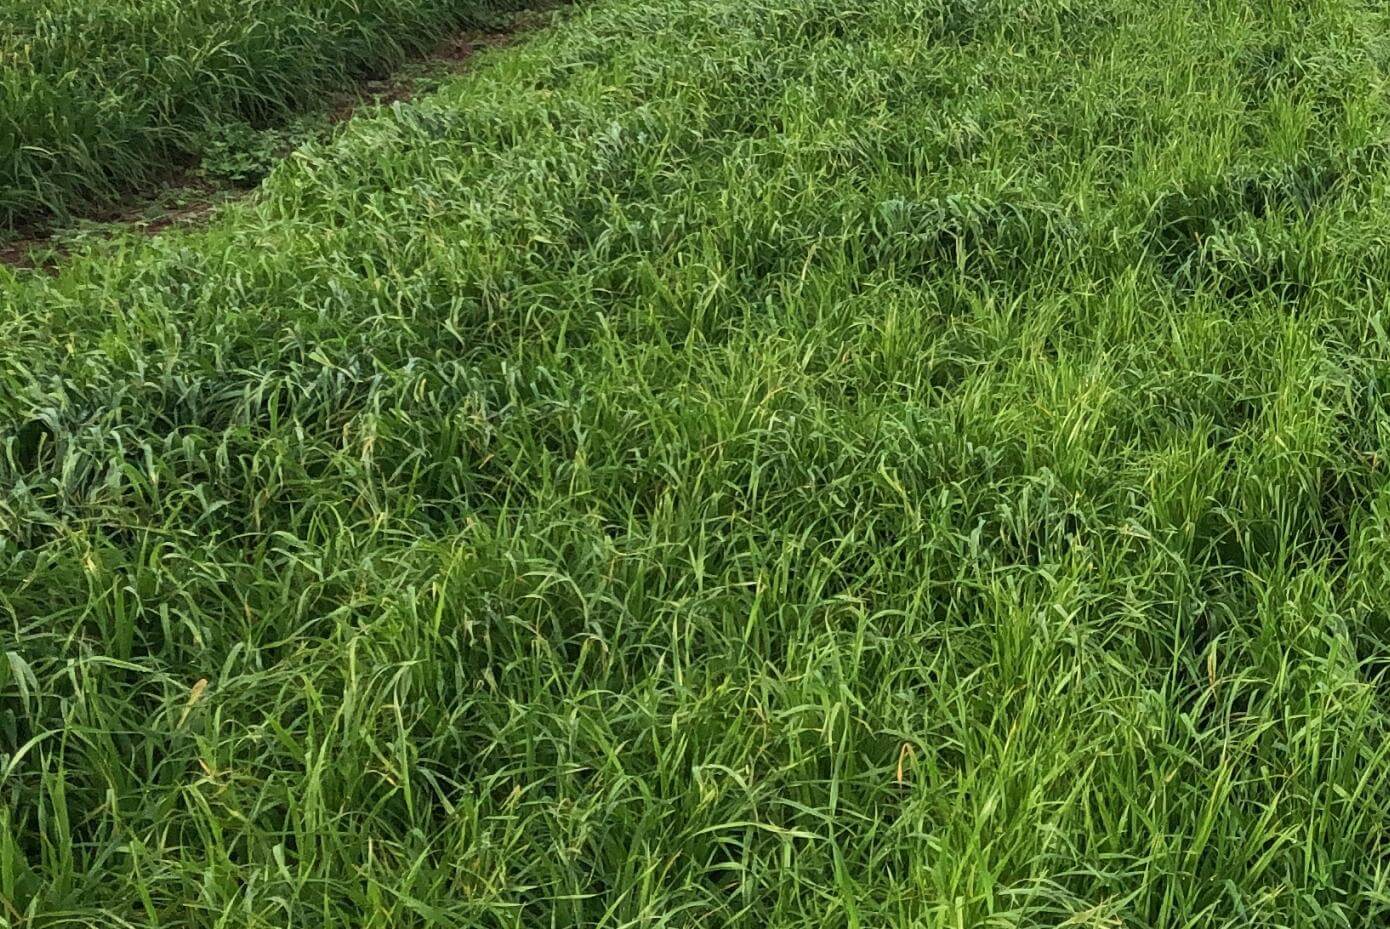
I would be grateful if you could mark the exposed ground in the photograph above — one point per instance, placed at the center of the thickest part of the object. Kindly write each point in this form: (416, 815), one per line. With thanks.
(233, 163)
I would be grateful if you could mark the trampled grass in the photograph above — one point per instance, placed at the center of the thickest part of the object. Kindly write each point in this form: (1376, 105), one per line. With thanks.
(731, 463)
(99, 96)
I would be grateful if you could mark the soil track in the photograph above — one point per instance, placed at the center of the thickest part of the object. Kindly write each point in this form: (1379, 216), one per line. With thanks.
(188, 194)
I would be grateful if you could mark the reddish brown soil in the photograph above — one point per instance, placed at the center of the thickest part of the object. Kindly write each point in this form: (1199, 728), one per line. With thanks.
(184, 197)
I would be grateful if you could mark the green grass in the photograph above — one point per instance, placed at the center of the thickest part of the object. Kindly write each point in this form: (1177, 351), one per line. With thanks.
(729, 463)
(100, 96)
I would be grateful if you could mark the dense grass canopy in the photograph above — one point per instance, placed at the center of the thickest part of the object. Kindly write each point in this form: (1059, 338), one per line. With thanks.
(731, 463)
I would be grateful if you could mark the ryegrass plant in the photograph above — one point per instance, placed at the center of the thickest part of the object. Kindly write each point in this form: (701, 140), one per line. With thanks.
(99, 97)
(732, 464)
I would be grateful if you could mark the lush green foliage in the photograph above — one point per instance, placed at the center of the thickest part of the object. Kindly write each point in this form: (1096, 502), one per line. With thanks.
(96, 97)
(731, 463)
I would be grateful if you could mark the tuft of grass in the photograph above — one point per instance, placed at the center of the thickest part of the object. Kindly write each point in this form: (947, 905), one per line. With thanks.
(729, 463)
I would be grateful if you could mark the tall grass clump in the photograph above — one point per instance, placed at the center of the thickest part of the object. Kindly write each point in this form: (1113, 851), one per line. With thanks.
(98, 97)
(731, 463)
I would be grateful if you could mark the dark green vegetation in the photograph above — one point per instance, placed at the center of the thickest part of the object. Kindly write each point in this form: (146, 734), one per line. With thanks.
(731, 463)
(99, 96)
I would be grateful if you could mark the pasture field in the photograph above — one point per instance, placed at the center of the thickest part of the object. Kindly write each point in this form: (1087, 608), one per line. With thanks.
(98, 97)
(915, 463)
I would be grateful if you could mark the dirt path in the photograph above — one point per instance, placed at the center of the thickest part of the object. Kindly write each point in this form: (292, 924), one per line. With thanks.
(191, 192)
